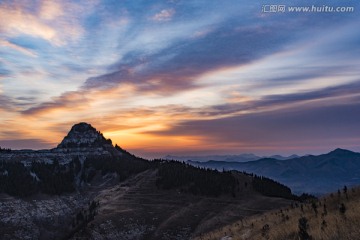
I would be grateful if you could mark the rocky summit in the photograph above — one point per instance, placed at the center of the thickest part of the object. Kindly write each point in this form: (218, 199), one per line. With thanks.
(83, 140)
(83, 135)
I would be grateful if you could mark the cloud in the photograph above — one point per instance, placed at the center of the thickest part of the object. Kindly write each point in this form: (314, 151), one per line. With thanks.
(14, 104)
(177, 67)
(6, 102)
(18, 21)
(295, 129)
(339, 95)
(4, 72)
(50, 22)
(18, 48)
(73, 100)
(50, 10)
(164, 15)
(335, 92)
(321, 119)
(300, 74)
(230, 42)
(83, 103)
(202, 33)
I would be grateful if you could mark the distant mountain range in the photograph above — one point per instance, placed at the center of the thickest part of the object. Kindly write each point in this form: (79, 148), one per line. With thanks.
(245, 157)
(312, 174)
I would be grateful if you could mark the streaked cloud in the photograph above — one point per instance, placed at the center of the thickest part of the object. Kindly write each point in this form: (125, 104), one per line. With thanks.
(18, 21)
(290, 130)
(66, 100)
(50, 22)
(18, 48)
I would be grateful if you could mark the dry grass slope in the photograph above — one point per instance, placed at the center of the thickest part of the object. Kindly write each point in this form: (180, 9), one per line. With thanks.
(333, 217)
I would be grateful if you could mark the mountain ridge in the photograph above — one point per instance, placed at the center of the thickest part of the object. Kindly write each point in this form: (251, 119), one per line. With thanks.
(316, 174)
(245, 157)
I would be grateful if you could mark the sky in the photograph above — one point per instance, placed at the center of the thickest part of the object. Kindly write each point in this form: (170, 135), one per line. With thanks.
(182, 77)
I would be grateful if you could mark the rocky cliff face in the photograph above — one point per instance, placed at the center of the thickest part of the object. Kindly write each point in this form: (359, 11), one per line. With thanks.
(83, 140)
(83, 135)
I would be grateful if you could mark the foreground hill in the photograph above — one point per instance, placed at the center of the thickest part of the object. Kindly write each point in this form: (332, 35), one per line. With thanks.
(86, 188)
(312, 174)
(333, 217)
(138, 209)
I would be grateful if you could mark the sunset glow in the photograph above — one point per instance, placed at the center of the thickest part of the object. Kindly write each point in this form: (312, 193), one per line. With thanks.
(180, 77)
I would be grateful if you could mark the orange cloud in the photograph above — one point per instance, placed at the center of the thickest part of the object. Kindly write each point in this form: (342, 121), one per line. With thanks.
(50, 10)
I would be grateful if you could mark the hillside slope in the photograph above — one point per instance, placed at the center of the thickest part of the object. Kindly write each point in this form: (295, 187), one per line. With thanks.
(138, 209)
(333, 217)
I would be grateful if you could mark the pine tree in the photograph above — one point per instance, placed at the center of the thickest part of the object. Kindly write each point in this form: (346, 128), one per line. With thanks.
(345, 192)
(303, 227)
(342, 208)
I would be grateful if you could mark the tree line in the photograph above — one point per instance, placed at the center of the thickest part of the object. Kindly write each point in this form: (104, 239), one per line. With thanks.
(5, 150)
(195, 180)
(21, 181)
(53, 178)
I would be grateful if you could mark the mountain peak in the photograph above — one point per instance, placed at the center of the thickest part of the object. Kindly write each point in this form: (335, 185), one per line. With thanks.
(340, 151)
(83, 135)
(82, 126)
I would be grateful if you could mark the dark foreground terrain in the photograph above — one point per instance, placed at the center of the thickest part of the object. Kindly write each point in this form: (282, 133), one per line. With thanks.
(136, 209)
(86, 188)
(132, 209)
(332, 217)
